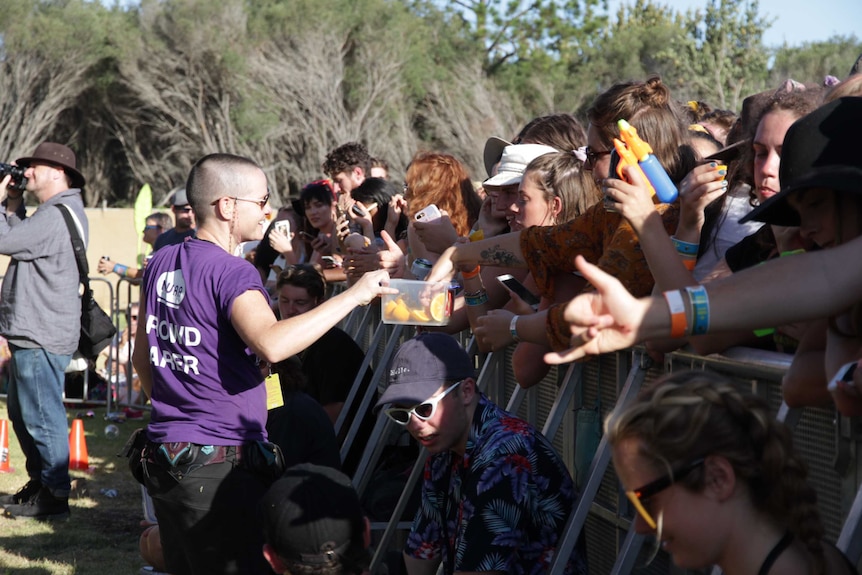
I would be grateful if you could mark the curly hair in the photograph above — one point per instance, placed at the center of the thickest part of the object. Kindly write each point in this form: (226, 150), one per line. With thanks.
(562, 175)
(346, 157)
(648, 107)
(689, 415)
(308, 276)
(436, 178)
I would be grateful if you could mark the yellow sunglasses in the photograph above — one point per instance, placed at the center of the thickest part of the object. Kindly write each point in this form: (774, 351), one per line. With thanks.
(638, 496)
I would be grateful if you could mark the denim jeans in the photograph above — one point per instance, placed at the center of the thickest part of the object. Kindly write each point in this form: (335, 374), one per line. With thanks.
(36, 382)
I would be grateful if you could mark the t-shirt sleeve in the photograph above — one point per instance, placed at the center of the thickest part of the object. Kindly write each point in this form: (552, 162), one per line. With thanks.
(551, 250)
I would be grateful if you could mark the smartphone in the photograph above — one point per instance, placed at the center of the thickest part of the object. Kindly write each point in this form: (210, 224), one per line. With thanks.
(428, 214)
(513, 284)
(357, 209)
(330, 261)
(283, 226)
(308, 236)
(845, 373)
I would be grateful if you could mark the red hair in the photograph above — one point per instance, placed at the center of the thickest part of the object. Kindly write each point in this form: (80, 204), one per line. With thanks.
(440, 179)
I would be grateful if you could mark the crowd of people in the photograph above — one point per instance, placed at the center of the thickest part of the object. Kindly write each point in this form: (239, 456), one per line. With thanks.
(236, 348)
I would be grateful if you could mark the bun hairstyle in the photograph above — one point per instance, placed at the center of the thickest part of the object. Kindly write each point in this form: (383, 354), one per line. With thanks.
(648, 107)
(689, 415)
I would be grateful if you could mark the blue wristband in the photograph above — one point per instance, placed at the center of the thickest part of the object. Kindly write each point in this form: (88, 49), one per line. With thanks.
(699, 309)
(685, 248)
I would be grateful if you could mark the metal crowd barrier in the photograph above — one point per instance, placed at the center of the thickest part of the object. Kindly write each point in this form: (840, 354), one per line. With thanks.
(826, 441)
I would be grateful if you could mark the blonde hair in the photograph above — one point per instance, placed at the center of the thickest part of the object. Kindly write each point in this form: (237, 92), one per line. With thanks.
(689, 415)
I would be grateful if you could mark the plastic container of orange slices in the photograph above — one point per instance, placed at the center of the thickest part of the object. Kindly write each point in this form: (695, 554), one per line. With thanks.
(417, 303)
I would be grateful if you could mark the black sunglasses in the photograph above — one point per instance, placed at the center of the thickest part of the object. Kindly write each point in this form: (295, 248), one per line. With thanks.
(593, 156)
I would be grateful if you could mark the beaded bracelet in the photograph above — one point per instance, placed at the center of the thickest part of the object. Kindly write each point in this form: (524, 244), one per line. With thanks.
(699, 309)
(120, 269)
(476, 298)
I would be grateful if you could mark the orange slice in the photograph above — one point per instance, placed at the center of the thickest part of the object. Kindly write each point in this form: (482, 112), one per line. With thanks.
(401, 312)
(438, 306)
(419, 315)
(389, 309)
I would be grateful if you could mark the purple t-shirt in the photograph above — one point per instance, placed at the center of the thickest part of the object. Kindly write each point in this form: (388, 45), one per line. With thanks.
(207, 388)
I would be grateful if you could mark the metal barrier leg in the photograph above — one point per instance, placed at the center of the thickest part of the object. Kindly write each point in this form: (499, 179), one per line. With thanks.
(561, 403)
(360, 375)
(789, 416)
(850, 538)
(578, 518)
(628, 554)
(392, 525)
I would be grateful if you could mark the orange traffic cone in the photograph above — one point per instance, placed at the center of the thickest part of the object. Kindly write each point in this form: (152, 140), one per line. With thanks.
(78, 458)
(5, 467)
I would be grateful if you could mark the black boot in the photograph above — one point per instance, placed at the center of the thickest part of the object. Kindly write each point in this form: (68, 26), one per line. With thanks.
(43, 506)
(24, 494)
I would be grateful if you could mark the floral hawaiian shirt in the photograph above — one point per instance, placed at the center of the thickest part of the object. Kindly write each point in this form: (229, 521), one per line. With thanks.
(506, 501)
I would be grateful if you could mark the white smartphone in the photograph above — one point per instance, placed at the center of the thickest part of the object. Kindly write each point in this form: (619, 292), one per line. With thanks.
(428, 214)
(283, 226)
(845, 373)
(517, 287)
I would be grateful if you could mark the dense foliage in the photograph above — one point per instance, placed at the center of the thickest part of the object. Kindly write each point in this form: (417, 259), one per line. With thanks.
(142, 90)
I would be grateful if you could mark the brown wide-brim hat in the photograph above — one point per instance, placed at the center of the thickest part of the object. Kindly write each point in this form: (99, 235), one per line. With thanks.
(56, 155)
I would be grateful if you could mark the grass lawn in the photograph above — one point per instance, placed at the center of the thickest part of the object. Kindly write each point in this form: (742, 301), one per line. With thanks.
(101, 536)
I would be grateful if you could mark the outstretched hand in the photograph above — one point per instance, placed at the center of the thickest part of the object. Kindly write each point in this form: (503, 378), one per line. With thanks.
(602, 321)
(371, 285)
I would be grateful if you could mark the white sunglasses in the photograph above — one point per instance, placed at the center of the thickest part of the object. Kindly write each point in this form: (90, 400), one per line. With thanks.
(424, 411)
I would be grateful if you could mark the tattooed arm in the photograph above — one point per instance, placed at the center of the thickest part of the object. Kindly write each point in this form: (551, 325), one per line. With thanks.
(502, 251)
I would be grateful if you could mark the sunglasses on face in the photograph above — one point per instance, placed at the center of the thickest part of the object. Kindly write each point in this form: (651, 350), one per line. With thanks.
(185, 208)
(424, 411)
(261, 202)
(152, 228)
(639, 497)
(593, 156)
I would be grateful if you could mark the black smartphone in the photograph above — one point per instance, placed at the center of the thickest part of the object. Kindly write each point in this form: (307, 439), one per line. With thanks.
(513, 284)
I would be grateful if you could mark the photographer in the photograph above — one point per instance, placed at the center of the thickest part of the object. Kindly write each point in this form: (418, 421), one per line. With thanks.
(40, 315)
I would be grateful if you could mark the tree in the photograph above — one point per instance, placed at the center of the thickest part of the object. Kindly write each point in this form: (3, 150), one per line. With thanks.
(812, 62)
(48, 58)
(722, 58)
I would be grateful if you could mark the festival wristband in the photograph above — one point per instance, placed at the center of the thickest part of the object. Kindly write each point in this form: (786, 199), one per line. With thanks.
(678, 323)
(685, 248)
(699, 309)
(120, 269)
(513, 328)
(689, 263)
(476, 298)
(472, 273)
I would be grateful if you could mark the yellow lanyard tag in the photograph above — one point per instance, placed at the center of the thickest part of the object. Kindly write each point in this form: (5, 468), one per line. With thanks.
(273, 392)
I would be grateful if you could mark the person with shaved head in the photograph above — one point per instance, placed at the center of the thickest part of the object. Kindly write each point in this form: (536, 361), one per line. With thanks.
(205, 324)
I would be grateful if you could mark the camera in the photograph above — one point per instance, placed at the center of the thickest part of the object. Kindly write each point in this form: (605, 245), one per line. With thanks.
(19, 182)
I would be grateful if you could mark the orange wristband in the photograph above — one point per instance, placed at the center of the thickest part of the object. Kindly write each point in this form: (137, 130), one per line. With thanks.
(678, 323)
(472, 273)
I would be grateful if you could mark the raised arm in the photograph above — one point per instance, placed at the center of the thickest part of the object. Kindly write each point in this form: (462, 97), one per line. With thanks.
(812, 285)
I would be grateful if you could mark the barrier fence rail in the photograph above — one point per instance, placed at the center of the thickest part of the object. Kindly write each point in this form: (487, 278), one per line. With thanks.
(603, 513)
(827, 441)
